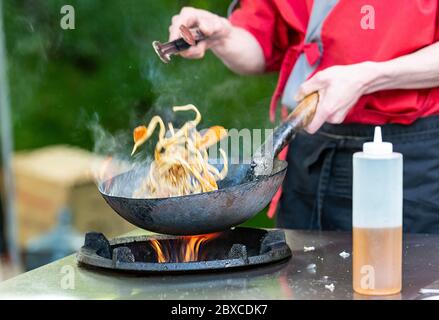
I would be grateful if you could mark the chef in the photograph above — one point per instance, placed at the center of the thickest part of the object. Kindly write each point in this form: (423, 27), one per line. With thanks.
(372, 62)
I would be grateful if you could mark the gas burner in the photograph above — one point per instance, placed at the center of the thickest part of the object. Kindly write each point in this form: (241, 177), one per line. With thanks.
(235, 248)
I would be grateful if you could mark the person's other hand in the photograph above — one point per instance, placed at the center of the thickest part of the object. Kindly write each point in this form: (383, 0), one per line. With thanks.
(339, 88)
(216, 28)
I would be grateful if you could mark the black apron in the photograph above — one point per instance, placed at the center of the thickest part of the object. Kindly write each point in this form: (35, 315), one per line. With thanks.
(317, 191)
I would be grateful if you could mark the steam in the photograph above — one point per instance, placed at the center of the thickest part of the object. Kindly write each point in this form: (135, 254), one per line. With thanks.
(177, 83)
(114, 160)
(113, 149)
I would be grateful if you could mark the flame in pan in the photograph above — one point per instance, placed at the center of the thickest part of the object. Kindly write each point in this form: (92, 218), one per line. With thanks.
(185, 250)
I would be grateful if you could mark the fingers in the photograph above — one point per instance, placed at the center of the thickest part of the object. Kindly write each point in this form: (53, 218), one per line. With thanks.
(212, 26)
(336, 118)
(195, 52)
(319, 118)
(305, 89)
(315, 84)
(338, 92)
(191, 17)
(327, 111)
(178, 20)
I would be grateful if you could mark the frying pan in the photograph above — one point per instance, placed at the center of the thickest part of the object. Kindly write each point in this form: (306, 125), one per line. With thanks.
(243, 193)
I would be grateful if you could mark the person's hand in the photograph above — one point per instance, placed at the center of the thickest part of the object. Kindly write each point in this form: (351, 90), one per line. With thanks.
(339, 88)
(216, 28)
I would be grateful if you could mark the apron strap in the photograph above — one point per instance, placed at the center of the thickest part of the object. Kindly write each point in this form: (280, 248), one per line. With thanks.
(310, 51)
(322, 187)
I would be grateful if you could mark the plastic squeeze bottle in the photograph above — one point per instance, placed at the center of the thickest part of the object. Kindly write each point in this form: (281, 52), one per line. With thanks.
(377, 218)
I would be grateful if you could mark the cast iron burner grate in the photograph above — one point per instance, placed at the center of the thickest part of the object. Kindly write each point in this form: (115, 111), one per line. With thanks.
(235, 248)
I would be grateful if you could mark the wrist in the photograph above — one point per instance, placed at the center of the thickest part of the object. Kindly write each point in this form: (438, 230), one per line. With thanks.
(221, 38)
(222, 46)
(375, 77)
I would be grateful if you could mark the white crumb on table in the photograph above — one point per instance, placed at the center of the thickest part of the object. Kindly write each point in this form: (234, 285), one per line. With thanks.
(307, 249)
(311, 266)
(344, 254)
(330, 287)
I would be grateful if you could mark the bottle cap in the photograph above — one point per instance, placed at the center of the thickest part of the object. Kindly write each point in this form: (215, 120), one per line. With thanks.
(377, 147)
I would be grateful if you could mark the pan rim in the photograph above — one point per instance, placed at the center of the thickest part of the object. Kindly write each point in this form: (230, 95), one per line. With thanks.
(283, 163)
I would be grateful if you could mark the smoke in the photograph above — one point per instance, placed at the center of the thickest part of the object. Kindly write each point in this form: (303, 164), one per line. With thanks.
(114, 160)
(113, 150)
(177, 83)
(170, 85)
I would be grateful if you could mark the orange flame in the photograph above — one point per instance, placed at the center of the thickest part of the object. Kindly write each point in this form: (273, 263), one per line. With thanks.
(188, 251)
(161, 256)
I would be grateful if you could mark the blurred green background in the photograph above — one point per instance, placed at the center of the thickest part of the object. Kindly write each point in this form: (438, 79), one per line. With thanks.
(105, 70)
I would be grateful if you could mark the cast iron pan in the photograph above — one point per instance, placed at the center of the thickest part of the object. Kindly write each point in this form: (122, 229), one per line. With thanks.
(240, 196)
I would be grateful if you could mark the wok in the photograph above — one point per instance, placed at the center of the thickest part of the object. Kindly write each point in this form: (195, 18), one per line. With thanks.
(241, 195)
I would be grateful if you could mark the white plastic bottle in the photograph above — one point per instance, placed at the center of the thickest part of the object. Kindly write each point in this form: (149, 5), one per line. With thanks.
(377, 218)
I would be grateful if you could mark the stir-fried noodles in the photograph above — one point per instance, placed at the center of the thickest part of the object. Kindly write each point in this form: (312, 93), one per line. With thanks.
(181, 162)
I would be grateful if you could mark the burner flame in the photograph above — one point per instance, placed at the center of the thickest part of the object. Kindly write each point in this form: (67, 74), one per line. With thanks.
(188, 251)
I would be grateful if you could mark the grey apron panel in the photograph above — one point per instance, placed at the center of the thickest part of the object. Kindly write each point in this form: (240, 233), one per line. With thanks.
(302, 69)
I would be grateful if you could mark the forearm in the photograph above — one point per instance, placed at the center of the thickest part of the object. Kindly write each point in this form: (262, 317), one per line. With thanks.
(418, 70)
(237, 48)
(341, 86)
(240, 52)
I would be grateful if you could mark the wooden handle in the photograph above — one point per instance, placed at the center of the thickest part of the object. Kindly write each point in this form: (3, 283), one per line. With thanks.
(297, 120)
(305, 110)
(300, 118)
(191, 36)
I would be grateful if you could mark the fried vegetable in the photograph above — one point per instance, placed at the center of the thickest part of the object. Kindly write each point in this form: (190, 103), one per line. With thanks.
(181, 162)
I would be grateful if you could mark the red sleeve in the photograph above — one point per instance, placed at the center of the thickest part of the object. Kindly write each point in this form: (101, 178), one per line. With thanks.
(437, 24)
(262, 19)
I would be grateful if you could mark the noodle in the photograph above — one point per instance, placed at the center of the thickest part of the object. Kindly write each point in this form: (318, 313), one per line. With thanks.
(180, 165)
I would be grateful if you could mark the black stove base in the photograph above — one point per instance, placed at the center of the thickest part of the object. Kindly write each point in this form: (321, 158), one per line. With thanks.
(235, 248)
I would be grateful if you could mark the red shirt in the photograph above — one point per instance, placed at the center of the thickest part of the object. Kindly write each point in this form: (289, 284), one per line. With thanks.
(401, 27)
